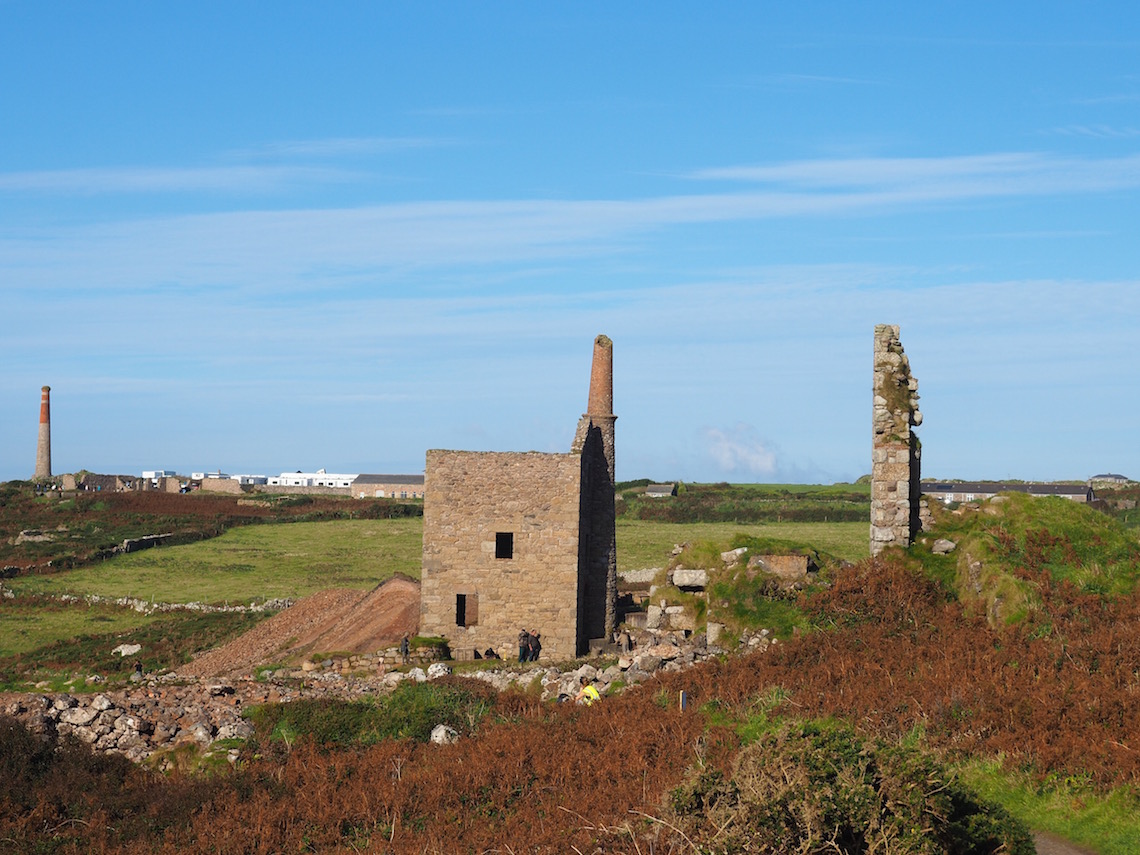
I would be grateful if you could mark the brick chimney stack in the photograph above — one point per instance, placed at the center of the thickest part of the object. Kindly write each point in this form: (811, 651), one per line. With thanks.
(43, 448)
(600, 409)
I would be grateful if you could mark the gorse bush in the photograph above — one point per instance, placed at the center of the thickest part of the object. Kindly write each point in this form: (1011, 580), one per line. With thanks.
(818, 788)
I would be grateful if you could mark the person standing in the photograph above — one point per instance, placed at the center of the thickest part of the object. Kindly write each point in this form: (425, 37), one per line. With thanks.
(524, 646)
(535, 644)
(405, 649)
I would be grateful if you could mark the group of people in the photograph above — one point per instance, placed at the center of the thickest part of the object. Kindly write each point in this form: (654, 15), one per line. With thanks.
(530, 645)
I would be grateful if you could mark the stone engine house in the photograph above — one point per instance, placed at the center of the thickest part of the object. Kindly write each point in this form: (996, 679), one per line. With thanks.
(525, 539)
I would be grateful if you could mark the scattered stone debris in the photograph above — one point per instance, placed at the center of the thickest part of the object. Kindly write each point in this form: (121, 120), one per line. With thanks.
(165, 711)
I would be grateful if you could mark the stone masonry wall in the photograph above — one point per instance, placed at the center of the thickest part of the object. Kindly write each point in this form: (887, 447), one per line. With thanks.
(469, 497)
(895, 450)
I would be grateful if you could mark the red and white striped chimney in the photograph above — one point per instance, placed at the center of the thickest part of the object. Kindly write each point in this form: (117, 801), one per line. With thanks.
(43, 448)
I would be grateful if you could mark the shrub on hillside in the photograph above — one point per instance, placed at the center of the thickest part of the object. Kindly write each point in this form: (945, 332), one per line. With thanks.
(812, 788)
(409, 712)
(1003, 546)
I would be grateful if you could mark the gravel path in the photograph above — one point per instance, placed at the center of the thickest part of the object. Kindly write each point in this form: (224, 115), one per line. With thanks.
(1047, 844)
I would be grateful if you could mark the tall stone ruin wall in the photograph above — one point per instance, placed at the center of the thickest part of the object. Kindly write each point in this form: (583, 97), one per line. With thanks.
(895, 449)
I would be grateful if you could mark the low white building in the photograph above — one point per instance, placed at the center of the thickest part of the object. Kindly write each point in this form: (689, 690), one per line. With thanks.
(320, 478)
(224, 476)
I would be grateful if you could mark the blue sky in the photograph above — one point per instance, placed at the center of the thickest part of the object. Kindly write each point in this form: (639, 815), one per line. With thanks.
(267, 237)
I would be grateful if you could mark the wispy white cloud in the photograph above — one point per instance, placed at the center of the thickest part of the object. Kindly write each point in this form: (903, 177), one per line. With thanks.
(135, 180)
(1097, 131)
(792, 79)
(989, 174)
(313, 248)
(1118, 98)
(739, 450)
(341, 147)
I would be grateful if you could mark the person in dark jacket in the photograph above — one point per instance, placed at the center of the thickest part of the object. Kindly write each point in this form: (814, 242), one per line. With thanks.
(524, 646)
(535, 645)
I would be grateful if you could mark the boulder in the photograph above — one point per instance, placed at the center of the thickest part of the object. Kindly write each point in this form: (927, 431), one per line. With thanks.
(942, 546)
(235, 730)
(686, 578)
(714, 632)
(648, 663)
(733, 556)
(653, 617)
(201, 732)
(437, 670)
(441, 734)
(78, 716)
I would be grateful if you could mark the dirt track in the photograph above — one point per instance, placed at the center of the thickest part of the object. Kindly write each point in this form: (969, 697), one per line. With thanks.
(338, 619)
(1047, 844)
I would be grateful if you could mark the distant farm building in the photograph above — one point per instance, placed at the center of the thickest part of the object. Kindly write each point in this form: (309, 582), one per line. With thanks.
(320, 478)
(1110, 479)
(661, 491)
(388, 487)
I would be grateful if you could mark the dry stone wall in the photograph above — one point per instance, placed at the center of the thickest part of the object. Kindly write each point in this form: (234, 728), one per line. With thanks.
(895, 449)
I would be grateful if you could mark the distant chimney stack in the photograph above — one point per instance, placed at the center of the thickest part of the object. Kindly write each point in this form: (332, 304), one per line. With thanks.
(43, 447)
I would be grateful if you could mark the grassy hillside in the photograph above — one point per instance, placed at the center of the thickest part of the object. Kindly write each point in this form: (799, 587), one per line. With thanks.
(749, 503)
(62, 530)
(251, 562)
(47, 643)
(1007, 547)
(649, 543)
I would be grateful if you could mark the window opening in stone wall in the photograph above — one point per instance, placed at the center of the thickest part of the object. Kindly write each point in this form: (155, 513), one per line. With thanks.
(504, 544)
(466, 610)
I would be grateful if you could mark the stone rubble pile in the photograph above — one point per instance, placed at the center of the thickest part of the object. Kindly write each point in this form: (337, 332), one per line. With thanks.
(165, 712)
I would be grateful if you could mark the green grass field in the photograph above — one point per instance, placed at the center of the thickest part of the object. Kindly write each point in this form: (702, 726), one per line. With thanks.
(643, 544)
(252, 562)
(296, 559)
(25, 627)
